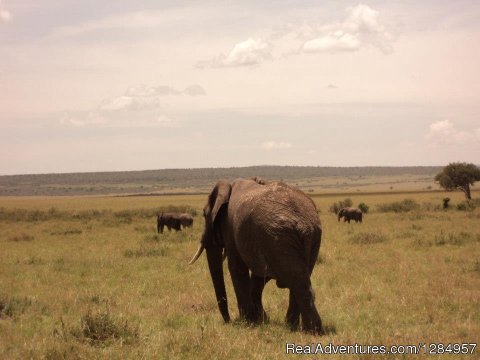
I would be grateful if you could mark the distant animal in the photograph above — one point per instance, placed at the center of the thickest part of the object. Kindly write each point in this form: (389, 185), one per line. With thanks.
(186, 220)
(266, 230)
(170, 220)
(445, 202)
(350, 213)
(173, 221)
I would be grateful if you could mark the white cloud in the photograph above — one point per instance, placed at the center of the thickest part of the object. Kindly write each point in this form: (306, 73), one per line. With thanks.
(118, 103)
(246, 53)
(150, 91)
(144, 97)
(335, 41)
(361, 28)
(444, 133)
(80, 119)
(274, 145)
(118, 119)
(5, 15)
(140, 106)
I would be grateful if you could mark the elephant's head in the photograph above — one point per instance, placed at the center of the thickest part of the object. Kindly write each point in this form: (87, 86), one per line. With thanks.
(212, 241)
(341, 213)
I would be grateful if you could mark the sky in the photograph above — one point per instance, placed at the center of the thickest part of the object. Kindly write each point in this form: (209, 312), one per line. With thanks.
(133, 85)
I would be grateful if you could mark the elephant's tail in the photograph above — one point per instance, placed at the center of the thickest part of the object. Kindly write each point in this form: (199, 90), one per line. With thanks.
(312, 239)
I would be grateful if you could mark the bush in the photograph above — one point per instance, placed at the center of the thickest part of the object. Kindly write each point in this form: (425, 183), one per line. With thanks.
(102, 328)
(452, 238)
(336, 206)
(428, 206)
(114, 217)
(466, 205)
(12, 306)
(21, 237)
(363, 207)
(66, 232)
(398, 206)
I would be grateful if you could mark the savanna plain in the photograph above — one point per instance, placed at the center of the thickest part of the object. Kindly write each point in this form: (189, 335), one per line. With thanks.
(89, 277)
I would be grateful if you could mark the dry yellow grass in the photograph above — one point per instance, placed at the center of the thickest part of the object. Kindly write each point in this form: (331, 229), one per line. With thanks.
(395, 279)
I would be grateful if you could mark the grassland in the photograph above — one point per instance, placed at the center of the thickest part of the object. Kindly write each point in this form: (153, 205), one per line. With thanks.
(88, 277)
(195, 181)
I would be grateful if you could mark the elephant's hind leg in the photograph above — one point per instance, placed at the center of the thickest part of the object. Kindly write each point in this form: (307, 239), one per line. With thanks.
(293, 313)
(291, 271)
(257, 284)
(305, 298)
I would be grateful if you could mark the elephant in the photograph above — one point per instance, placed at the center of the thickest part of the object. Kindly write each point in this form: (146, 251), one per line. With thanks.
(267, 230)
(350, 213)
(186, 220)
(170, 220)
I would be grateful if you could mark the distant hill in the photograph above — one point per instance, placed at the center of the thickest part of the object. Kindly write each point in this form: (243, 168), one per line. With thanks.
(181, 180)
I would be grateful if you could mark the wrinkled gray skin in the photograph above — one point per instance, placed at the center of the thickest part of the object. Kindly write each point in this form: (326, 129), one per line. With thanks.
(267, 230)
(170, 220)
(350, 213)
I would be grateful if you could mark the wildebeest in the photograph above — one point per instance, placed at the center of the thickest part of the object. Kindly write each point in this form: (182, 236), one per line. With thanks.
(173, 221)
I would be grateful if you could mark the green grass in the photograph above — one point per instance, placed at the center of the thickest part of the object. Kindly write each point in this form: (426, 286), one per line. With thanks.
(106, 285)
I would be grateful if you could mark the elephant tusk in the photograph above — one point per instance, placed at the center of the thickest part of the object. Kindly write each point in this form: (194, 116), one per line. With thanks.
(197, 255)
(224, 255)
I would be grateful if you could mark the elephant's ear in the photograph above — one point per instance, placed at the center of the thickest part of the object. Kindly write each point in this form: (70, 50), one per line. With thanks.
(219, 196)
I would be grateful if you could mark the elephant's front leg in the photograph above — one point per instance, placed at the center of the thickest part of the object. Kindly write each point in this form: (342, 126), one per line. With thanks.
(257, 284)
(241, 284)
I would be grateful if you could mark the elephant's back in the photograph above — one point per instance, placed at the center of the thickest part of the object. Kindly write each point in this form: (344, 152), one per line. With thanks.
(275, 205)
(271, 215)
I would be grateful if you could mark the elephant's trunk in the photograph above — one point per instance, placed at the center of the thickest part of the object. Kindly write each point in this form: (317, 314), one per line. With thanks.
(215, 264)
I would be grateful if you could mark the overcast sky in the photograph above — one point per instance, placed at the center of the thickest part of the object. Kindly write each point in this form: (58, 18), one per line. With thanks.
(130, 85)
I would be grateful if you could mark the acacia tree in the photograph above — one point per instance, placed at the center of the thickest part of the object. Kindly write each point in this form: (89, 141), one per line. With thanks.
(458, 176)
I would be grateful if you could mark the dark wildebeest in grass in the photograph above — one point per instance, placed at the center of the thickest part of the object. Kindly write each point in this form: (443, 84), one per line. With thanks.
(173, 221)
